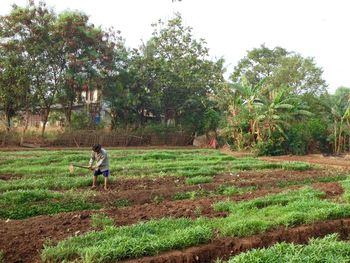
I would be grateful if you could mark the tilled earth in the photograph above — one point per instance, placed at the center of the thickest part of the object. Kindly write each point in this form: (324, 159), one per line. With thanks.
(22, 240)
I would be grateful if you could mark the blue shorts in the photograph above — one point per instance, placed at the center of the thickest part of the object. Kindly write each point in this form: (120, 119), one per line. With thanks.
(98, 172)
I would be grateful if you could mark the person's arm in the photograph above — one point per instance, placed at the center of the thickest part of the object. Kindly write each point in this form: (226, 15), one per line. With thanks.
(92, 159)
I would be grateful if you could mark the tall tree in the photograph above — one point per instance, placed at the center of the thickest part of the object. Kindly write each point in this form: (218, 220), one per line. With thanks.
(184, 74)
(278, 67)
(31, 29)
(14, 82)
(87, 54)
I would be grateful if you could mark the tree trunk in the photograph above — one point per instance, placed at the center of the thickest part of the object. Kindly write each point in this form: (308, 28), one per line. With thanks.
(68, 114)
(44, 120)
(25, 127)
(340, 140)
(335, 137)
(8, 122)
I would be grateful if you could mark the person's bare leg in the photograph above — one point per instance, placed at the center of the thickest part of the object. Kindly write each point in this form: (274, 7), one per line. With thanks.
(106, 183)
(94, 181)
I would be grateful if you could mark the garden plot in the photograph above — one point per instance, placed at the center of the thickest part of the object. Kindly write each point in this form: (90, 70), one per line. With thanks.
(159, 201)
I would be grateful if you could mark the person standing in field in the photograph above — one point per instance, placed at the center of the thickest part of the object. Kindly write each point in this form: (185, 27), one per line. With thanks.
(101, 167)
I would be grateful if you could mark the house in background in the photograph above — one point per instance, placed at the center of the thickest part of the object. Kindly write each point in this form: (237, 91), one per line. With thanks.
(90, 101)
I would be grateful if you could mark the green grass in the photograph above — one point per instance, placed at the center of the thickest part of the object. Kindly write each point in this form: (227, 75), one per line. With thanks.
(199, 180)
(22, 204)
(2, 260)
(117, 243)
(226, 190)
(308, 181)
(135, 163)
(121, 203)
(328, 249)
(100, 221)
(245, 218)
(289, 208)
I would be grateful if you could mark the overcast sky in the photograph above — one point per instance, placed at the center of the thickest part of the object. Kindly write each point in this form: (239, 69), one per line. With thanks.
(313, 28)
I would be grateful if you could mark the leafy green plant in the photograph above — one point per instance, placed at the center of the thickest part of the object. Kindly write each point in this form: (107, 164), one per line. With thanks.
(122, 203)
(157, 199)
(198, 211)
(327, 249)
(199, 180)
(21, 204)
(245, 218)
(101, 221)
(117, 243)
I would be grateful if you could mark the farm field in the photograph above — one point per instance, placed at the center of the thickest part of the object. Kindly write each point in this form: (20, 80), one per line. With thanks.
(170, 205)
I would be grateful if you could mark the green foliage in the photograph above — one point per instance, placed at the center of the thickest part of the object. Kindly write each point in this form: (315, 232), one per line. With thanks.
(272, 146)
(327, 249)
(133, 241)
(308, 181)
(122, 203)
(82, 120)
(101, 221)
(21, 204)
(244, 218)
(279, 67)
(211, 120)
(289, 209)
(229, 190)
(184, 74)
(307, 135)
(199, 180)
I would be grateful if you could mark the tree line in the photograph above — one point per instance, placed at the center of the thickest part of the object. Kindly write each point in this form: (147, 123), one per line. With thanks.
(275, 100)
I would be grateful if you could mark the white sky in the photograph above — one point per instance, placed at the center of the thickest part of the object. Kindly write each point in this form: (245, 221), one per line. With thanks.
(315, 28)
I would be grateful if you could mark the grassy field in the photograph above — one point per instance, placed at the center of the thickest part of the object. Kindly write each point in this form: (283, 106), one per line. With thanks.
(39, 183)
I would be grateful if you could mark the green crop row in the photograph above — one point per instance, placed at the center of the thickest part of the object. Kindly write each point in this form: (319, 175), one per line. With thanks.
(116, 243)
(132, 163)
(21, 204)
(328, 249)
(245, 218)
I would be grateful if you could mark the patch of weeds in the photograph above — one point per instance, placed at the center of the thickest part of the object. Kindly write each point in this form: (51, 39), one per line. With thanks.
(198, 211)
(182, 196)
(327, 249)
(307, 181)
(298, 166)
(244, 218)
(199, 180)
(159, 156)
(227, 190)
(22, 204)
(118, 243)
(122, 203)
(191, 195)
(101, 221)
(157, 199)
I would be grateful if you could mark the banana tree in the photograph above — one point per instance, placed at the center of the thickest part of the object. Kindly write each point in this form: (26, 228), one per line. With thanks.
(277, 112)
